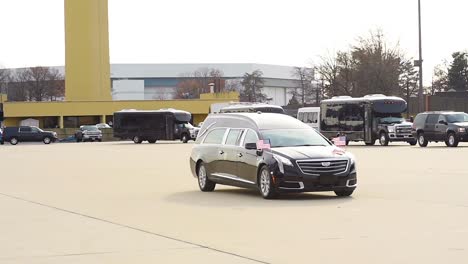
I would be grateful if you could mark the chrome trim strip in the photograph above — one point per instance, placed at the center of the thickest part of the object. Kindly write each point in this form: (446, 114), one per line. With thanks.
(301, 186)
(229, 177)
(347, 183)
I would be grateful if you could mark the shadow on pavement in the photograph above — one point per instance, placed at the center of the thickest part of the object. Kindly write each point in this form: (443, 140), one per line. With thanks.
(252, 198)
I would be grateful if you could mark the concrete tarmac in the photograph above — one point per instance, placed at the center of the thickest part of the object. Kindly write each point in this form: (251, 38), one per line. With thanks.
(119, 202)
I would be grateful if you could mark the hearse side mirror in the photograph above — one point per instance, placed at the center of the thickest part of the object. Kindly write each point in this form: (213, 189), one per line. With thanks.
(251, 146)
(442, 122)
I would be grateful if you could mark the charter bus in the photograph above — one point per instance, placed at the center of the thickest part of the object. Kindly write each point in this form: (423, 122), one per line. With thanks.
(252, 107)
(153, 125)
(368, 118)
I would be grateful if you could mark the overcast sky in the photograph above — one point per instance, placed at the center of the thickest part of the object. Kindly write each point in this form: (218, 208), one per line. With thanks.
(284, 32)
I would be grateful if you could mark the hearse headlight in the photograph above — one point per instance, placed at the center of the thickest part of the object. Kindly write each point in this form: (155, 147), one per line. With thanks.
(282, 161)
(462, 130)
(391, 129)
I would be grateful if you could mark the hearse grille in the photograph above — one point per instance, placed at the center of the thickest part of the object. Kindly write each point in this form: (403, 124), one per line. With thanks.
(323, 166)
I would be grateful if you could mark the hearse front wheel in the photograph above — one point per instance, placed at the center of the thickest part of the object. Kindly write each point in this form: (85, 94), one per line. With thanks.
(344, 193)
(265, 184)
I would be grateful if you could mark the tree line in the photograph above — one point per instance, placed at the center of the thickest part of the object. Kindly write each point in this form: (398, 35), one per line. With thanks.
(369, 66)
(32, 84)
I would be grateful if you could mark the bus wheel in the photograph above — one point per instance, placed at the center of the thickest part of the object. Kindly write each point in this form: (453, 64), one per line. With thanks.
(137, 140)
(383, 139)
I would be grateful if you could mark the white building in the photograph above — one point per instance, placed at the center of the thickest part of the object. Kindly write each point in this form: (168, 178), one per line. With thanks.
(159, 81)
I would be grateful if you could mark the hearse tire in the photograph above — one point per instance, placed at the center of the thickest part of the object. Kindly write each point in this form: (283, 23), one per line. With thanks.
(344, 193)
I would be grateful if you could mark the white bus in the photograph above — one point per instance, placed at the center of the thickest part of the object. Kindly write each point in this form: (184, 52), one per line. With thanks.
(310, 116)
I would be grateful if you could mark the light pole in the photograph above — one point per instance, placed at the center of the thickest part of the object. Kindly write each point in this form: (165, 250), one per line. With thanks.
(421, 106)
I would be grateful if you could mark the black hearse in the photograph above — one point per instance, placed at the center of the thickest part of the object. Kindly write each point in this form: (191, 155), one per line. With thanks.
(366, 119)
(272, 153)
(164, 124)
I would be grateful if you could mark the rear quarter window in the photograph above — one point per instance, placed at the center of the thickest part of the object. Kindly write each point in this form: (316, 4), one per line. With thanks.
(215, 136)
(420, 120)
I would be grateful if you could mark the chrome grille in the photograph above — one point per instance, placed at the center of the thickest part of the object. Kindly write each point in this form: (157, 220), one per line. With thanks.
(318, 167)
(404, 130)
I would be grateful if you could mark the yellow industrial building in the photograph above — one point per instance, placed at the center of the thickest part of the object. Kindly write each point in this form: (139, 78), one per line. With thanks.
(87, 79)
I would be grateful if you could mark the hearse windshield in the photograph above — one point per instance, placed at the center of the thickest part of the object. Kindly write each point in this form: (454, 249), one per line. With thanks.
(457, 118)
(293, 138)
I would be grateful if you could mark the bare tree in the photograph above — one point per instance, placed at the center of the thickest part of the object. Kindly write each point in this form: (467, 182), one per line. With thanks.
(195, 83)
(4, 78)
(36, 84)
(233, 85)
(370, 66)
(303, 90)
(440, 81)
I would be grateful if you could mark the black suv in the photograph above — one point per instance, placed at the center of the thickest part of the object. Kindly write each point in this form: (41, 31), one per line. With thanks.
(272, 153)
(28, 134)
(450, 127)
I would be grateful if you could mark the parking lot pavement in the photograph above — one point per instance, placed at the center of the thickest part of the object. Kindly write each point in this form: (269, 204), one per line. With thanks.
(119, 202)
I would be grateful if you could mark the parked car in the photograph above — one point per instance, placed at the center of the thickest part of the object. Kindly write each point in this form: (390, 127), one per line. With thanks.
(273, 153)
(450, 127)
(88, 133)
(28, 134)
(102, 125)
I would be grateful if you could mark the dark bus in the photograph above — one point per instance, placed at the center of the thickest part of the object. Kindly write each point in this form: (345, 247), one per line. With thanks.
(368, 118)
(252, 108)
(164, 124)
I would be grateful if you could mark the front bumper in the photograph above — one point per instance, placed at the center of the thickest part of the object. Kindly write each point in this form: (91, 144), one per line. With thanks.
(294, 181)
(92, 136)
(401, 137)
(463, 137)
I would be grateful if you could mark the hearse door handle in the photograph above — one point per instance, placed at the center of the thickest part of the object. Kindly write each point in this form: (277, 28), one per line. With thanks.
(221, 152)
(240, 155)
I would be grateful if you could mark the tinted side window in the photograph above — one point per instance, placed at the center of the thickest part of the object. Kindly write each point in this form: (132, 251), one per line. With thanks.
(215, 137)
(330, 117)
(25, 129)
(432, 119)
(300, 116)
(442, 118)
(233, 136)
(250, 137)
(420, 120)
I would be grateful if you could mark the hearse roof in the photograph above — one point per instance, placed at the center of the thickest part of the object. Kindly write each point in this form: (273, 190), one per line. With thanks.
(261, 120)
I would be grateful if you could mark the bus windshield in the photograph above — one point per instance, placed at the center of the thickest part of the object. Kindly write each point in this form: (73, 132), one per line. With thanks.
(391, 120)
